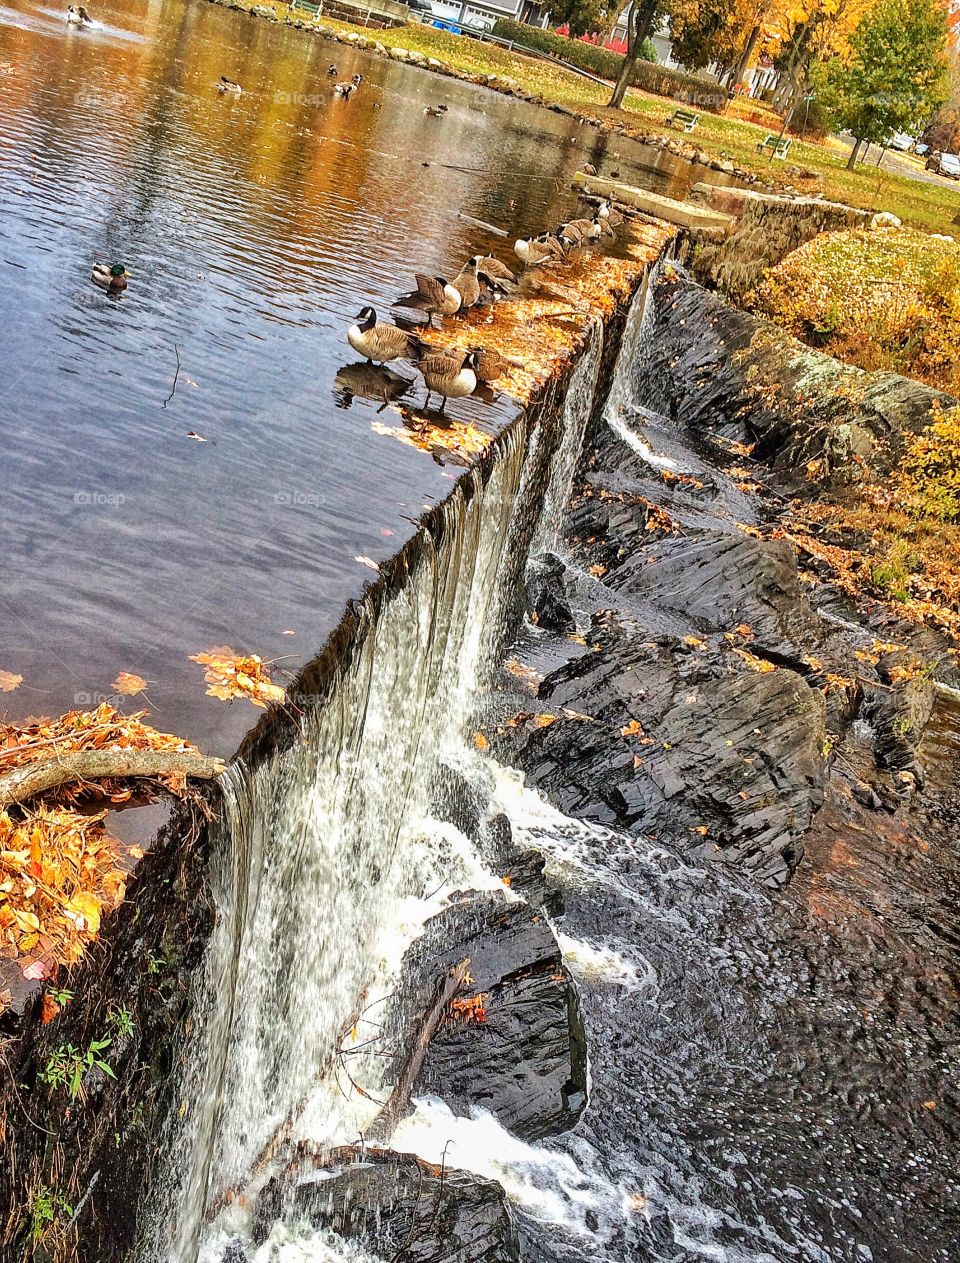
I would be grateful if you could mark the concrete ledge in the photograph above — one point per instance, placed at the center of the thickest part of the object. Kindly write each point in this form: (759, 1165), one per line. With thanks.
(673, 212)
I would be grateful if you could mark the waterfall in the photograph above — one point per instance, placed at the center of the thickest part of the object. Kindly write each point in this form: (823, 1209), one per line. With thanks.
(326, 848)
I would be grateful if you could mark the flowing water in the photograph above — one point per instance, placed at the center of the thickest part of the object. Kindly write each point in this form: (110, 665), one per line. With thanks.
(254, 228)
(771, 1074)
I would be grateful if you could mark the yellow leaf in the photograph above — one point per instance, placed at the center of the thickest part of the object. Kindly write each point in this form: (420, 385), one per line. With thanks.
(8, 681)
(86, 907)
(480, 741)
(127, 683)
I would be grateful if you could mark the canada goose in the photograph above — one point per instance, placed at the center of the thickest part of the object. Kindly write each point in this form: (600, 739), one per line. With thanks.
(552, 243)
(497, 275)
(589, 229)
(605, 227)
(433, 295)
(533, 252)
(111, 277)
(449, 378)
(569, 236)
(489, 365)
(380, 342)
(609, 213)
(332, 70)
(76, 15)
(345, 89)
(467, 284)
(227, 85)
(435, 111)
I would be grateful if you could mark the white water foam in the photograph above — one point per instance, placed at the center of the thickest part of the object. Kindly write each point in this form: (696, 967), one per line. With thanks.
(330, 863)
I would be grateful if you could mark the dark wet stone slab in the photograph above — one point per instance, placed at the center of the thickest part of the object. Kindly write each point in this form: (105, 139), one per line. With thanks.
(398, 1207)
(524, 1059)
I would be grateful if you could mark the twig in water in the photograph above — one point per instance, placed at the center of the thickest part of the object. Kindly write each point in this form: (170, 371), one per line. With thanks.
(173, 389)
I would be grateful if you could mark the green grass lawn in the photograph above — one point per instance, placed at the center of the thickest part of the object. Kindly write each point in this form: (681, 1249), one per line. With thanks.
(925, 205)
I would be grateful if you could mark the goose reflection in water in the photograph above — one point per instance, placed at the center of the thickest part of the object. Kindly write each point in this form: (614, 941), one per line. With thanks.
(368, 381)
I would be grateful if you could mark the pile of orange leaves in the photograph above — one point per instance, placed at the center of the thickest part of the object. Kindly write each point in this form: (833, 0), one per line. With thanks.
(230, 675)
(60, 870)
(59, 873)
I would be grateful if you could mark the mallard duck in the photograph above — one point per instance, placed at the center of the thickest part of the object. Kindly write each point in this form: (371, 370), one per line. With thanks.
(346, 89)
(228, 85)
(467, 284)
(379, 342)
(435, 111)
(451, 378)
(434, 295)
(110, 276)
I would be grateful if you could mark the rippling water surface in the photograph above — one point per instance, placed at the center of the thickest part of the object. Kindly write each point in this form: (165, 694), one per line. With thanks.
(254, 228)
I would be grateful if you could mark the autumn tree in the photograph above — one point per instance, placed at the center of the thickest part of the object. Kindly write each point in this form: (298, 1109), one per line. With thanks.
(581, 16)
(895, 77)
(811, 32)
(944, 130)
(641, 16)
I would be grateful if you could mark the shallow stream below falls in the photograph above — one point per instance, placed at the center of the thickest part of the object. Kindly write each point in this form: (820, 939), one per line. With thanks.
(771, 1071)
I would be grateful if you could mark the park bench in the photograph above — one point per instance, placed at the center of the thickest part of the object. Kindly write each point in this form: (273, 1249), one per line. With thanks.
(780, 146)
(315, 10)
(684, 119)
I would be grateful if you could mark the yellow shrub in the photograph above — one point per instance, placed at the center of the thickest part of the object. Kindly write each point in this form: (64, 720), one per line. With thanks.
(880, 299)
(929, 475)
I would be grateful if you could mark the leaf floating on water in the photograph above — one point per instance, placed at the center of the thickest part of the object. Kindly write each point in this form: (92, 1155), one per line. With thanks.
(232, 675)
(368, 562)
(480, 741)
(127, 683)
(9, 681)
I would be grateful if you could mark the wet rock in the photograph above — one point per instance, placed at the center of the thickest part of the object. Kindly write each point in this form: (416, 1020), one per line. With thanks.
(742, 377)
(546, 596)
(525, 1060)
(399, 1207)
(900, 710)
(458, 800)
(522, 868)
(679, 744)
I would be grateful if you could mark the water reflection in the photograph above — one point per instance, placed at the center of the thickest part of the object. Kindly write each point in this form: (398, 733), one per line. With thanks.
(254, 225)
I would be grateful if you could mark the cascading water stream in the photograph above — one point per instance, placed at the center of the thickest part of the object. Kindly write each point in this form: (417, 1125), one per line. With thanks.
(328, 850)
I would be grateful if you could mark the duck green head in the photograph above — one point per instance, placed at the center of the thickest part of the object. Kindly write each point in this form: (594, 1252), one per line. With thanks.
(118, 270)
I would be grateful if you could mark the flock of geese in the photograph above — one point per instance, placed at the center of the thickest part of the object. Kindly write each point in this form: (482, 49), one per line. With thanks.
(453, 373)
(342, 90)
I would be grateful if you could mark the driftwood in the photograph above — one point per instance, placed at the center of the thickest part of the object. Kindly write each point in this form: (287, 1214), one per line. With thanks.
(383, 1125)
(93, 765)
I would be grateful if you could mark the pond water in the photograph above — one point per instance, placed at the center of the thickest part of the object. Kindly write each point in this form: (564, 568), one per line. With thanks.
(254, 228)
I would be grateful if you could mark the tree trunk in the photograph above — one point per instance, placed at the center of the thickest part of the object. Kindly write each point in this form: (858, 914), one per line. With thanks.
(93, 765)
(852, 160)
(739, 70)
(640, 19)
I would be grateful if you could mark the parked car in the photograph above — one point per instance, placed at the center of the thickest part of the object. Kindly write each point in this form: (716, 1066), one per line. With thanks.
(947, 164)
(901, 141)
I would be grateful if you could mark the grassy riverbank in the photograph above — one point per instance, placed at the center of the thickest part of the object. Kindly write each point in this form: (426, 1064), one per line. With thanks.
(733, 136)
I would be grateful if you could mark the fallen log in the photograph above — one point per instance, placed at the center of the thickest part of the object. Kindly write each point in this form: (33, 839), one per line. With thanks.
(94, 765)
(382, 1126)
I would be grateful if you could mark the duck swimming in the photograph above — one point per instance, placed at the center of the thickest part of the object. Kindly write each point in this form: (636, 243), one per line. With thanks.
(345, 89)
(380, 343)
(110, 276)
(77, 15)
(435, 111)
(228, 85)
